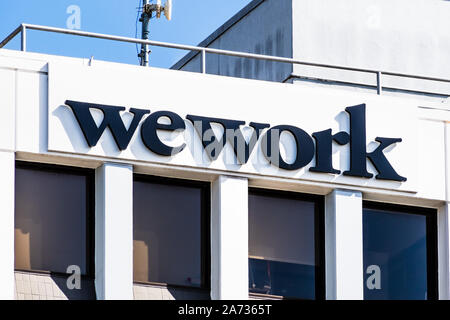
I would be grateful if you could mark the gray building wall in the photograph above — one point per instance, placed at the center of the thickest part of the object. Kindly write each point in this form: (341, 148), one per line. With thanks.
(263, 27)
(402, 36)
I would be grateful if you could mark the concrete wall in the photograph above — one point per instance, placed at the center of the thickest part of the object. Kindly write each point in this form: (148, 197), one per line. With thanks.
(404, 36)
(267, 29)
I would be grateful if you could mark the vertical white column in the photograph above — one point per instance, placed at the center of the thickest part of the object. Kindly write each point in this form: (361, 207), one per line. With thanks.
(443, 252)
(229, 239)
(444, 227)
(114, 232)
(344, 246)
(7, 183)
(7, 168)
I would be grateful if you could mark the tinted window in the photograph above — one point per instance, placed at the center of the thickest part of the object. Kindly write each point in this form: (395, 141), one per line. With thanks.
(170, 231)
(284, 254)
(399, 252)
(51, 218)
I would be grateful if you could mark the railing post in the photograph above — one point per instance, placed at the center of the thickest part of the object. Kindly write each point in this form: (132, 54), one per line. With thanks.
(203, 57)
(379, 87)
(23, 35)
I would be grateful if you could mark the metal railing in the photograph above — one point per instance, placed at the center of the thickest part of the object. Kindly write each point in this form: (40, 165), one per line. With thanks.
(22, 29)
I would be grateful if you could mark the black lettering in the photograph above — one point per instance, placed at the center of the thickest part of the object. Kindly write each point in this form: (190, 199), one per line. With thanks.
(305, 147)
(358, 151)
(150, 137)
(379, 161)
(232, 132)
(324, 149)
(111, 119)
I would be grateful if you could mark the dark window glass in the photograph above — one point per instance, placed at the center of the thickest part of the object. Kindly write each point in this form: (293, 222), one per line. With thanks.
(52, 213)
(399, 252)
(170, 231)
(284, 244)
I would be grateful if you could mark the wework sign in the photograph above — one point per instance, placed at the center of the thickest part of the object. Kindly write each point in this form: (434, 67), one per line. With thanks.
(319, 145)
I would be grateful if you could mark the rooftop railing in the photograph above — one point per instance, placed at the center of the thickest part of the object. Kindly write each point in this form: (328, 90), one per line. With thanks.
(23, 28)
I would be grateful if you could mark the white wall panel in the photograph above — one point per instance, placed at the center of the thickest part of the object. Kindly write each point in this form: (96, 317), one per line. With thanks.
(7, 106)
(344, 245)
(7, 166)
(229, 98)
(229, 239)
(114, 232)
(31, 113)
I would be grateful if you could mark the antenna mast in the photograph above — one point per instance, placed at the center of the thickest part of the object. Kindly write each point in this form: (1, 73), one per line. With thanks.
(147, 14)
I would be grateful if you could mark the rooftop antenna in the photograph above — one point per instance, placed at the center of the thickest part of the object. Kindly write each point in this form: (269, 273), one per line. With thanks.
(147, 13)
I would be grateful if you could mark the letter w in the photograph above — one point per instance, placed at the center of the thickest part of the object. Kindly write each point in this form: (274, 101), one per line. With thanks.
(111, 119)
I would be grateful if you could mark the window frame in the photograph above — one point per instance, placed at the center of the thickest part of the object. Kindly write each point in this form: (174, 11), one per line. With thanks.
(205, 228)
(90, 210)
(319, 235)
(431, 215)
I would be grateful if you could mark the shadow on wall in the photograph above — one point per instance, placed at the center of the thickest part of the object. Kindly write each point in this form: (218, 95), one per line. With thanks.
(189, 294)
(86, 292)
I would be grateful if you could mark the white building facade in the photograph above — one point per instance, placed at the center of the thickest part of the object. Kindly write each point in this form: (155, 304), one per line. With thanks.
(124, 182)
(40, 128)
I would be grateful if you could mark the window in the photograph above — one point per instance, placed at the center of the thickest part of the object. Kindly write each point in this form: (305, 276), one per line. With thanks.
(400, 245)
(171, 231)
(286, 253)
(53, 218)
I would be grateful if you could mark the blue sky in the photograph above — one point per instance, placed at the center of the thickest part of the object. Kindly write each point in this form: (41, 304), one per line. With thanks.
(192, 21)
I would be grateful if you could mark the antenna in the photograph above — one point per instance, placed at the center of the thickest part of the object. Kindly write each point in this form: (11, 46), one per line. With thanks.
(147, 13)
(168, 10)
